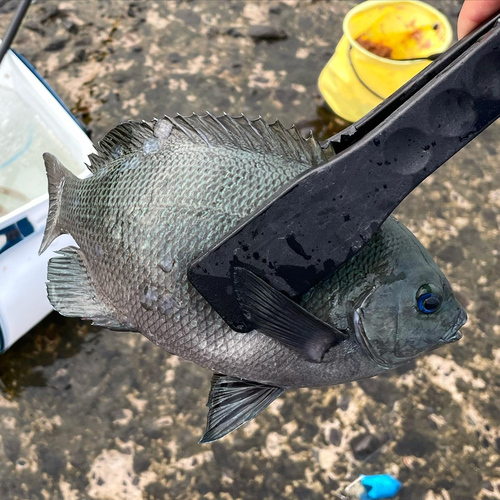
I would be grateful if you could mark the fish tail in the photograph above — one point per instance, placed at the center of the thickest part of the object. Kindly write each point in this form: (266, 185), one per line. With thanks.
(57, 175)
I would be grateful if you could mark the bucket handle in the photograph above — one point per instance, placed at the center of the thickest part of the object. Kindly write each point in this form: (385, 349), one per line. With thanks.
(359, 78)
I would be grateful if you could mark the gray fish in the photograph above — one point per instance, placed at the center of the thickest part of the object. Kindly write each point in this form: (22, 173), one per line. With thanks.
(162, 194)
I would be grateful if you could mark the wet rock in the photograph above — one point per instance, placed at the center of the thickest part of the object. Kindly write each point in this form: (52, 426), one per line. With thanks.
(286, 96)
(303, 493)
(34, 26)
(222, 455)
(380, 390)
(497, 444)
(344, 402)
(329, 408)
(213, 31)
(469, 233)
(407, 367)
(234, 32)
(487, 486)
(444, 484)
(308, 431)
(189, 17)
(490, 216)
(141, 463)
(267, 33)
(135, 8)
(415, 491)
(79, 460)
(56, 45)
(11, 446)
(292, 469)
(415, 443)
(120, 77)
(487, 307)
(83, 40)
(174, 57)
(51, 12)
(80, 55)
(8, 6)
(156, 491)
(335, 437)
(52, 460)
(453, 254)
(60, 381)
(236, 68)
(332, 484)
(364, 445)
(71, 26)
(153, 431)
(305, 24)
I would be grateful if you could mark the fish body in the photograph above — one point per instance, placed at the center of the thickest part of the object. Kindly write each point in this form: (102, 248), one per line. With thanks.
(162, 194)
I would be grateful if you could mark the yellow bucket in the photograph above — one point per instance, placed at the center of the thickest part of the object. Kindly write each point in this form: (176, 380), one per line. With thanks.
(364, 69)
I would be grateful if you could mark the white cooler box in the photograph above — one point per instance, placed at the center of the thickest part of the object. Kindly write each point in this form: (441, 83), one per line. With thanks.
(33, 120)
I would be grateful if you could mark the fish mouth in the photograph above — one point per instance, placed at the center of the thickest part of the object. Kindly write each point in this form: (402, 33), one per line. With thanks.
(454, 334)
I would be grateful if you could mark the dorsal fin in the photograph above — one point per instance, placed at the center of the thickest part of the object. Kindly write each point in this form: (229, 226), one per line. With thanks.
(222, 131)
(253, 135)
(122, 140)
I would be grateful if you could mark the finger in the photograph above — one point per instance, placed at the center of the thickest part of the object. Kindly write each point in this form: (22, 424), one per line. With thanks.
(474, 12)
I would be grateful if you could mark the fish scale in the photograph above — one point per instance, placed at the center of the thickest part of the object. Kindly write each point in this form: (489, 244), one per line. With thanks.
(163, 194)
(206, 233)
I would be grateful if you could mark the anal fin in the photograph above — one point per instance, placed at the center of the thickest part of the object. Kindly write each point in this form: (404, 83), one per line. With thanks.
(72, 293)
(233, 402)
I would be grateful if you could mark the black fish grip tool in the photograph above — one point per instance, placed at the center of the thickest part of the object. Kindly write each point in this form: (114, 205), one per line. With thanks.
(324, 216)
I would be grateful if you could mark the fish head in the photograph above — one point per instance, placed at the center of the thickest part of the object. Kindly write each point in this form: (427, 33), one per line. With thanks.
(409, 310)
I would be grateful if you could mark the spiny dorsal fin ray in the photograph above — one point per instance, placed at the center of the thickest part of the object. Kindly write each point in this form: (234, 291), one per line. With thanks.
(212, 131)
(233, 402)
(123, 139)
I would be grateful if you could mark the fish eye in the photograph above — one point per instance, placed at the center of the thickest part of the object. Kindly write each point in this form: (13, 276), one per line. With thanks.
(429, 299)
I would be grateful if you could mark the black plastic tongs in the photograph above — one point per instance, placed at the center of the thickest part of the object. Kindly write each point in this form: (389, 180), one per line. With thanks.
(326, 215)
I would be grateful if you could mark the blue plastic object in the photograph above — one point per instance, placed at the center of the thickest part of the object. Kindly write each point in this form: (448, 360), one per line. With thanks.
(380, 486)
(16, 232)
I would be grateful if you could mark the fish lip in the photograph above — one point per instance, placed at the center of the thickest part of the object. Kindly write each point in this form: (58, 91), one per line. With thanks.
(454, 334)
(360, 333)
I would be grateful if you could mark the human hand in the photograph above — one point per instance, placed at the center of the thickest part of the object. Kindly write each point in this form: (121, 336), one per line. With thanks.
(473, 13)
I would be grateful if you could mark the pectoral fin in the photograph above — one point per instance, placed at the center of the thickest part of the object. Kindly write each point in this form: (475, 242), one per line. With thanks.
(233, 402)
(281, 318)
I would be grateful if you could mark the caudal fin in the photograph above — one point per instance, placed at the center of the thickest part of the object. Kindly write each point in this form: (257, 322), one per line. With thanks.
(57, 175)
